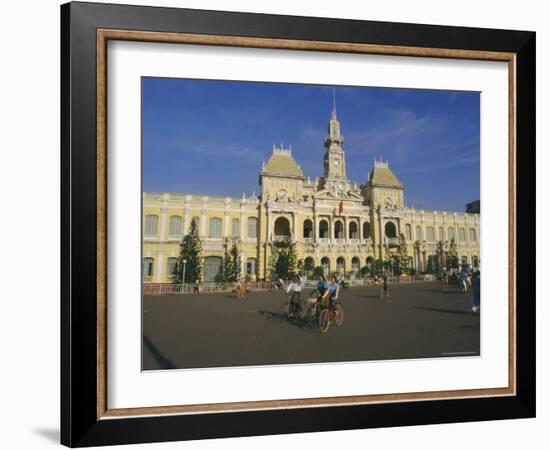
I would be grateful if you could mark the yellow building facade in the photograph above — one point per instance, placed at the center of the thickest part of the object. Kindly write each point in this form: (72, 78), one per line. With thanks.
(335, 223)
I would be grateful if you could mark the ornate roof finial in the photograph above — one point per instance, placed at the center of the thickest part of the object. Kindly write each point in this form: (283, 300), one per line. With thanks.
(333, 103)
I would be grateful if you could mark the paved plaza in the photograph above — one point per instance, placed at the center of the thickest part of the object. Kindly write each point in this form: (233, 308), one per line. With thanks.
(219, 330)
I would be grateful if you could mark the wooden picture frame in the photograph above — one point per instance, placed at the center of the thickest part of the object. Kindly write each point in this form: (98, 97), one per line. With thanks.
(85, 416)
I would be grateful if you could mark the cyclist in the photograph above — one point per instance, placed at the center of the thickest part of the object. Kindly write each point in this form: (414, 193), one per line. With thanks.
(295, 291)
(332, 292)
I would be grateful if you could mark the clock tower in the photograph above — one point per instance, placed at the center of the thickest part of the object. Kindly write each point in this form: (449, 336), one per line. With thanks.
(335, 163)
(335, 179)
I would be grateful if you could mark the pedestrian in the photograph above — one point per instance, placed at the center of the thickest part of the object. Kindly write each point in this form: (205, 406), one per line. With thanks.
(196, 287)
(476, 287)
(445, 280)
(385, 288)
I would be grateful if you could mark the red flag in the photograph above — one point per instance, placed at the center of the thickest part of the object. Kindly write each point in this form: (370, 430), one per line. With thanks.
(341, 207)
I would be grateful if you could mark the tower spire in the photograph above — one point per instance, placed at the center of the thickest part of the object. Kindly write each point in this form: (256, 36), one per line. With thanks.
(333, 103)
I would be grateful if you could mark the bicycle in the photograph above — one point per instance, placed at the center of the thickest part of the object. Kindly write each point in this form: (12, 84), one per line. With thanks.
(330, 311)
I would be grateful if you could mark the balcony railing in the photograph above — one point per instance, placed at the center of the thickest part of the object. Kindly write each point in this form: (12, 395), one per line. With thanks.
(279, 238)
(391, 241)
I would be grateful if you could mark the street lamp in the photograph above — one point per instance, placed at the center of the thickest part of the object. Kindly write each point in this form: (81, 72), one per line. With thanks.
(184, 263)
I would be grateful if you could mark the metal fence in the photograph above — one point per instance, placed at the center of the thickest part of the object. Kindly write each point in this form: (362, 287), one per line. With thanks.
(168, 288)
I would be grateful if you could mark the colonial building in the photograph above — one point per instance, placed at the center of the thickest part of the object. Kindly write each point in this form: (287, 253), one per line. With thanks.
(336, 223)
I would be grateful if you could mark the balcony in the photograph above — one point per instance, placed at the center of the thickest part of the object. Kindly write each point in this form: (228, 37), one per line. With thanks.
(391, 241)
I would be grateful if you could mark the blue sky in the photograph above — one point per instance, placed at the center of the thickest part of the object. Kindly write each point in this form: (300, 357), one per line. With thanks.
(211, 137)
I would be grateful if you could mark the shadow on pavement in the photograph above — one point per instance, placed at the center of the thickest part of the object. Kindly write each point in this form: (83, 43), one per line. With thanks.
(304, 325)
(446, 311)
(161, 360)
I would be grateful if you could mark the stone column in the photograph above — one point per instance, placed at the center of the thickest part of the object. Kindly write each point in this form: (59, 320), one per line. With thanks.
(294, 226)
(361, 223)
(162, 234)
(269, 226)
(346, 226)
(315, 225)
(159, 269)
(186, 220)
(331, 224)
(381, 231)
(203, 218)
(242, 220)
(226, 223)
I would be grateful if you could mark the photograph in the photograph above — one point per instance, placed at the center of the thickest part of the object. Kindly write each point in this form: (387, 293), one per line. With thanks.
(306, 224)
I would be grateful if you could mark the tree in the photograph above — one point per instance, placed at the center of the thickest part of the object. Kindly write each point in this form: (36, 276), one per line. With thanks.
(307, 266)
(286, 263)
(231, 263)
(191, 252)
(236, 263)
(379, 267)
(403, 255)
(227, 262)
(452, 259)
(440, 256)
(318, 271)
(430, 269)
(272, 264)
(365, 271)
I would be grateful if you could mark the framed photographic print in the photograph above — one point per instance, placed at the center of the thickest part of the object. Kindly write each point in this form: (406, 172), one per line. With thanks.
(277, 224)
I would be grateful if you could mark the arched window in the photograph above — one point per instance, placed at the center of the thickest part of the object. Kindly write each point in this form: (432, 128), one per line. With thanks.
(418, 232)
(340, 265)
(430, 235)
(235, 229)
(366, 230)
(308, 229)
(151, 225)
(473, 235)
(251, 266)
(252, 227)
(282, 227)
(215, 228)
(171, 267)
(464, 261)
(325, 264)
(450, 233)
(353, 231)
(355, 264)
(370, 261)
(390, 230)
(475, 262)
(408, 232)
(323, 229)
(148, 265)
(462, 234)
(338, 230)
(441, 234)
(175, 226)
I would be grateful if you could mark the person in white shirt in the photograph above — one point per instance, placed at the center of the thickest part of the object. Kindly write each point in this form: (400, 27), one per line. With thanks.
(294, 289)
